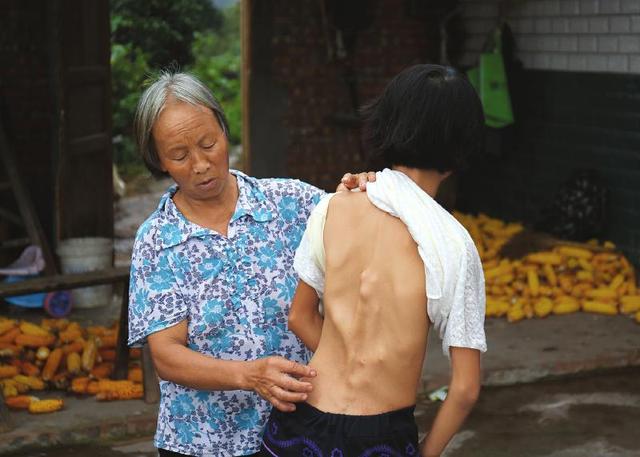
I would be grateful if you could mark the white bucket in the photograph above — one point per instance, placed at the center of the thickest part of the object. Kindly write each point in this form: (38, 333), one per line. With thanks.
(78, 255)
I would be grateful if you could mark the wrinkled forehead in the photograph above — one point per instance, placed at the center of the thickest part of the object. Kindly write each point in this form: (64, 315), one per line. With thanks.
(178, 117)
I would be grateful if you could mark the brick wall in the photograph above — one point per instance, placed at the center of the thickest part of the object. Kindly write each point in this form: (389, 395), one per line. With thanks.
(297, 90)
(572, 35)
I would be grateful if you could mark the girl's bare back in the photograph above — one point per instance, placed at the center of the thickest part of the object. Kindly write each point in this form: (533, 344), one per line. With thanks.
(369, 358)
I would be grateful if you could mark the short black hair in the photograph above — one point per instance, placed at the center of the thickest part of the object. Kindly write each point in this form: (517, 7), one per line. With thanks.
(428, 117)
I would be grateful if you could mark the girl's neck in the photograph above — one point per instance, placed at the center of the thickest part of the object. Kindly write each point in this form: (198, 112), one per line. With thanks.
(427, 180)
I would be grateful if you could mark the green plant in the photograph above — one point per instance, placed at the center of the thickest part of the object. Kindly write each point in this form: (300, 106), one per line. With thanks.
(156, 34)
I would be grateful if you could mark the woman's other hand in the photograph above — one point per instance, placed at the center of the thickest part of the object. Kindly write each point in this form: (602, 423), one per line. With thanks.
(275, 379)
(356, 180)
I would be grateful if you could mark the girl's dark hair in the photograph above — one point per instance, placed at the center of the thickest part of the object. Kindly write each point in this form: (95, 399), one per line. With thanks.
(428, 117)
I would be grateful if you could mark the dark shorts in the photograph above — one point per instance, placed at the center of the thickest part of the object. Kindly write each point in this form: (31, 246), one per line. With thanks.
(309, 432)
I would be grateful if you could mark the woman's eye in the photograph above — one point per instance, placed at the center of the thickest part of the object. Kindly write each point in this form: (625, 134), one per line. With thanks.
(209, 146)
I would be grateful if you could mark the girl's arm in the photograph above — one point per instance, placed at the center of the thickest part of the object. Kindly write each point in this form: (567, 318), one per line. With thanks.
(304, 317)
(463, 393)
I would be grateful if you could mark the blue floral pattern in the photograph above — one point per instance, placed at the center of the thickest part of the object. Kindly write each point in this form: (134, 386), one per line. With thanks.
(235, 294)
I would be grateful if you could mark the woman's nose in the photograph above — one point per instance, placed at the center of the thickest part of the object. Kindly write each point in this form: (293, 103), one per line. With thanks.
(201, 163)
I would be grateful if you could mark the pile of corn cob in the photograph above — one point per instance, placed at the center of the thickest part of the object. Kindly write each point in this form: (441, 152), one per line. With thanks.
(61, 355)
(562, 280)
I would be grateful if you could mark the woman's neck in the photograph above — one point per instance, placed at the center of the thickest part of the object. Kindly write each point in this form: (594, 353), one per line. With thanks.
(213, 214)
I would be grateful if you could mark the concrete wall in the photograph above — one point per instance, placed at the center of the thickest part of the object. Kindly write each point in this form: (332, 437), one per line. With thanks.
(565, 35)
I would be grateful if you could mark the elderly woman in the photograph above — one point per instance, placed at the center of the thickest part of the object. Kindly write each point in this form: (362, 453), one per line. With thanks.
(212, 279)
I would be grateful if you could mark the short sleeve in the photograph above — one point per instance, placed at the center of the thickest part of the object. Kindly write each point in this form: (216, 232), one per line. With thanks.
(309, 259)
(307, 197)
(155, 302)
(465, 326)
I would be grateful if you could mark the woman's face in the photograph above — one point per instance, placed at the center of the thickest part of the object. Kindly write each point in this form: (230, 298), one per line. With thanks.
(192, 148)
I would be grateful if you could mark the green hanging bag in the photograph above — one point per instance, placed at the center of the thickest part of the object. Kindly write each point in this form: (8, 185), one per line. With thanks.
(490, 80)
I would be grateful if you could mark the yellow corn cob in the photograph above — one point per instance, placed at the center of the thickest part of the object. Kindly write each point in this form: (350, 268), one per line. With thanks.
(52, 364)
(30, 369)
(9, 390)
(617, 281)
(79, 385)
(605, 257)
(124, 393)
(545, 291)
(543, 307)
(504, 279)
(513, 229)
(630, 304)
(31, 381)
(10, 335)
(76, 346)
(8, 371)
(45, 406)
(566, 305)
(545, 257)
(34, 341)
(571, 251)
(496, 307)
(71, 333)
(489, 264)
(599, 307)
(20, 401)
(581, 289)
(89, 354)
(74, 363)
(495, 290)
(22, 388)
(566, 283)
(584, 276)
(515, 314)
(602, 292)
(534, 282)
(550, 274)
(6, 325)
(102, 371)
(32, 329)
(609, 245)
(585, 264)
(497, 271)
(106, 385)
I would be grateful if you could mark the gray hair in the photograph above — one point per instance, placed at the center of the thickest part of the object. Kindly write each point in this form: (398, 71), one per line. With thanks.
(183, 87)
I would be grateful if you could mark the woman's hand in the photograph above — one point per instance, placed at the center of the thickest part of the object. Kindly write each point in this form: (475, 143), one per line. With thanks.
(352, 180)
(274, 379)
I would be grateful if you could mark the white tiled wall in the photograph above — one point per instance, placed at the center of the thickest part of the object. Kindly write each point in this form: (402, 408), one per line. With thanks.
(570, 35)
